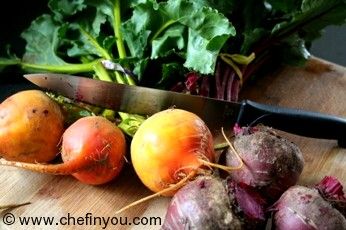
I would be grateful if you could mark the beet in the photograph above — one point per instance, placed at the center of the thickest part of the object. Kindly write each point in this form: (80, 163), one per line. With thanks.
(248, 204)
(213, 203)
(331, 190)
(201, 204)
(271, 163)
(303, 208)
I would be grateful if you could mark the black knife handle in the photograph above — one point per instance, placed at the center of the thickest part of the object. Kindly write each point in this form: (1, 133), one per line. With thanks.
(295, 121)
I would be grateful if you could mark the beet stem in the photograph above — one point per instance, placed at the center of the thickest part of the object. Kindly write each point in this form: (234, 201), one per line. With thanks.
(229, 86)
(235, 90)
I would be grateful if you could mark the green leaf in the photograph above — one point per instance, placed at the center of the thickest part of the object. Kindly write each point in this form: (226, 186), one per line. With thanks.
(209, 27)
(108, 42)
(140, 67)
(84, 31)
(206, 21)
(102, 12)
(172, 39)
(167, 38)
(224, 7)
(136, 40)
(199, 58)
(140, 26)
(89, 14)
(252, 37)
(42, 39)
(293, 51)
(86, 44)
(331, 13)
(65, 8)
(305, 25)
(314, 16)
(208, 32)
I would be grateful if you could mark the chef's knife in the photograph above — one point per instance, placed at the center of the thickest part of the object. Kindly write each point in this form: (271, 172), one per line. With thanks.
(216, 113)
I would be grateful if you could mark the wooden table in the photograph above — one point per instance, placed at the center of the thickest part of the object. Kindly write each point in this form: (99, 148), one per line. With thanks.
(319, 86)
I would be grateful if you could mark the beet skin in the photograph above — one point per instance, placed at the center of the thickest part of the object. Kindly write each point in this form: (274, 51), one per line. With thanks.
(271, 163)
(201, 204)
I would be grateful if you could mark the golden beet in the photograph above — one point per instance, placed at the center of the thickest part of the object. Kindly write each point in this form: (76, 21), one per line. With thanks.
(31, 125)
(168, 147)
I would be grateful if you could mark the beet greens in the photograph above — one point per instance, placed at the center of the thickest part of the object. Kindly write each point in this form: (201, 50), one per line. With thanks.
(204, 47)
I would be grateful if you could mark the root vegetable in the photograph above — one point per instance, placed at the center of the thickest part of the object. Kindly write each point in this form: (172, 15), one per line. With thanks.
(168, 147)
(210, 202)
(171, 148)
(201, 204)
(93, 151)
(271, 163)
(303, 208)
(331, 190)
(248, 203)
(31, 125)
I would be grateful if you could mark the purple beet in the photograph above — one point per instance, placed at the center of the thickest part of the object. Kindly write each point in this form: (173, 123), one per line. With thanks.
(331, 190)
(212, 203)
(305, 208)
(271, 163)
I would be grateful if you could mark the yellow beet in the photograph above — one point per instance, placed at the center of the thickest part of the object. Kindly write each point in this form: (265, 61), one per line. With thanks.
(31, 125)
(168, 147)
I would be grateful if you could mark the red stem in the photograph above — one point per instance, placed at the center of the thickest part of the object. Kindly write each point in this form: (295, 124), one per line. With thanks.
(231, 81)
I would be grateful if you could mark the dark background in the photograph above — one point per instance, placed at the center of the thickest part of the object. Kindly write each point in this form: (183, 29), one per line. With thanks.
(17, 16)
(14, 18)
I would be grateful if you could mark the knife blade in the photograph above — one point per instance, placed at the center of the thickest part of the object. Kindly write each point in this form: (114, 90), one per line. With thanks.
(216, 113)
(136, 99)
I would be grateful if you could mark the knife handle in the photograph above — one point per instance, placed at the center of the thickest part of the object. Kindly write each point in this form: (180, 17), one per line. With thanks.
(295, 121)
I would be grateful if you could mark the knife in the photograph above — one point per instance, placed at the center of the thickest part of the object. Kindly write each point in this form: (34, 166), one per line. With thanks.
(216, 113)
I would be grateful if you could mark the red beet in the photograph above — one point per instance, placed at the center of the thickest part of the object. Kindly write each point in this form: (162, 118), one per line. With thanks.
(212, 203)
(249, 204)
(332, 190)
(304, 208)
(201, 204)
(271, 163)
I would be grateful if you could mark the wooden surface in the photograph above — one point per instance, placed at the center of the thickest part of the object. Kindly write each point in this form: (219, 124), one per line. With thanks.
(319, 86)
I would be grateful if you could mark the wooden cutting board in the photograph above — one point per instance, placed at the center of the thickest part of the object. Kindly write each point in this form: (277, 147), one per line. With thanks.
(319, 86)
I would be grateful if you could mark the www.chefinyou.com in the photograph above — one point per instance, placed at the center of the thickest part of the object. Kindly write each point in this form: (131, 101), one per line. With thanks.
(9, 219)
